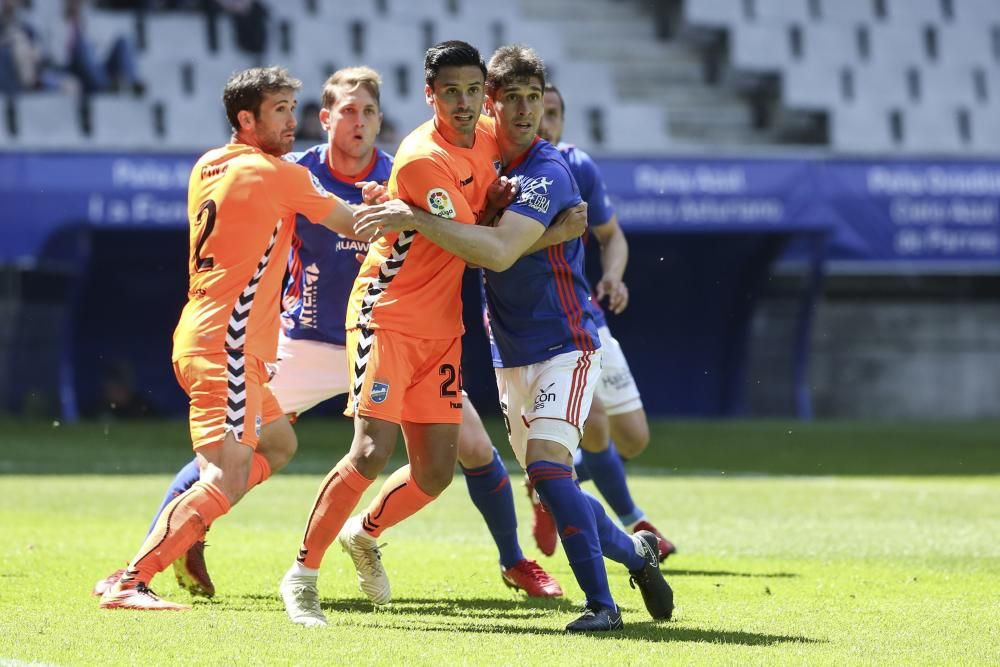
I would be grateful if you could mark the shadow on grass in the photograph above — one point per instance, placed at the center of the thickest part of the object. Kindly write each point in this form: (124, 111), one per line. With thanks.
(667, 571)
(490, 616)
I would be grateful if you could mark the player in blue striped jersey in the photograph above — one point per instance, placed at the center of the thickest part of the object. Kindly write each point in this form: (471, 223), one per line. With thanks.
(617, 422)
(547, 348)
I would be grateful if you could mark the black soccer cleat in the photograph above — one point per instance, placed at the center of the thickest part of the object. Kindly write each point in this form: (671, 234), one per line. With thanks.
(597, 619)
(656, 592)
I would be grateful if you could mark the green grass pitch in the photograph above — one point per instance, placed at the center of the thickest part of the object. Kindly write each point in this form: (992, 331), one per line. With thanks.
(826, 543)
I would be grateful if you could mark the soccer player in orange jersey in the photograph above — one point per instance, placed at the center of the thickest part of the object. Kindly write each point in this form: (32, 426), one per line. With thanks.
(404, 324)
(242, 203)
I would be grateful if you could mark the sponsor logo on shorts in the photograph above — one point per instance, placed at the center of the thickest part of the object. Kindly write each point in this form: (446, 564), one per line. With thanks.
(439, 203)
(534, 192)
(545, 395)
(617, 381)
(256, 425)
(380, 391)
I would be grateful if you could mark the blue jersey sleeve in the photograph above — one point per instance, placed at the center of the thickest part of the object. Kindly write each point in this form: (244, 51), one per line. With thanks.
(592, 189)
(544, 188)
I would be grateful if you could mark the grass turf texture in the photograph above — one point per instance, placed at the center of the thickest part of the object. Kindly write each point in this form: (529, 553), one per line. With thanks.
(865, 543)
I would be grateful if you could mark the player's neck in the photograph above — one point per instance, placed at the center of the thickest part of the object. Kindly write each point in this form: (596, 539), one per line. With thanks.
(511, 152)
(454, 137)
(342, 164)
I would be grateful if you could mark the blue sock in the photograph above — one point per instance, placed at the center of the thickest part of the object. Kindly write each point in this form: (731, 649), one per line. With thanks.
(489, 488)
(577, 528)
(582, 471)
(615, 543)
(186, 477)
(608, 473)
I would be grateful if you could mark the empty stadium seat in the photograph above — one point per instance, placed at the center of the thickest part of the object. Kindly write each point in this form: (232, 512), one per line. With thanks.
(862, 129)
(176, 36)
(121, 122)
(720, 13)
(933, 129)
(846, 11)
(49, 120)
(195, 127)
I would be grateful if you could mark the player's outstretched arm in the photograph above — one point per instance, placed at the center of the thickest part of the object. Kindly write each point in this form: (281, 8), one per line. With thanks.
(493, 248)
(614, 259)
(341, 220)
(571, 223)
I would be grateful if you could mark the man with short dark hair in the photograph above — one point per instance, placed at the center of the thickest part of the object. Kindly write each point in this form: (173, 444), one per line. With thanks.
(546, 349)
(242, 203)
(617, 422)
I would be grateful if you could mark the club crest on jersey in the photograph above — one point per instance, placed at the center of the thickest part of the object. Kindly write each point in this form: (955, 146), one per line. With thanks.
(439, 203)
(534, 192)
(379, 392)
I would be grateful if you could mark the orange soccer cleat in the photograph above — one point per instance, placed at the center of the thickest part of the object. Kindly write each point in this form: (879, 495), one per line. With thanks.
(543, 525)
(192, 573)
(528, 576)
(136, 596)
(102, 586)
(666, 547)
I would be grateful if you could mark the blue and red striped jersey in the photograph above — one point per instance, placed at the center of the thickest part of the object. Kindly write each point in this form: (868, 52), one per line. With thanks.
(322, 265)
(538, 308)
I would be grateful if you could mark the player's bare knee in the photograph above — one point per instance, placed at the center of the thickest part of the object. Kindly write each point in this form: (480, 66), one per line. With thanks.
(278, 444)
(475, 450)
(630, 432)
(433, 479)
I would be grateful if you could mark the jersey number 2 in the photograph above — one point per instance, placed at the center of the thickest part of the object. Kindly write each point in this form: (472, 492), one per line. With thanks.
(206, 218)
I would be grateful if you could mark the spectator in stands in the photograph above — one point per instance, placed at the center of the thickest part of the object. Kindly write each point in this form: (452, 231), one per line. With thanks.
(20, 55)
(99, 65)
(249, 19)
(310, 128)
(24, 64)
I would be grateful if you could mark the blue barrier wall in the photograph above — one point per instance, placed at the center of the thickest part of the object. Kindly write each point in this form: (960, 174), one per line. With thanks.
(704, 237)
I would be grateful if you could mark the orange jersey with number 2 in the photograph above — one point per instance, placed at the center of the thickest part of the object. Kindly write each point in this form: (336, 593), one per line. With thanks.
(241, 207)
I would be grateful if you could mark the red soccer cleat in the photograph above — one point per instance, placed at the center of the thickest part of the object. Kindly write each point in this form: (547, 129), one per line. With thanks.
(666, 546)
(543, 526)
(136, 596)
(528, 576)
(102, 586)
(192, 573)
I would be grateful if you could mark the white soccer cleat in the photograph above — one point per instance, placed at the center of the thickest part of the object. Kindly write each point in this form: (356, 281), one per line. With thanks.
(364, 551)
(301, 597)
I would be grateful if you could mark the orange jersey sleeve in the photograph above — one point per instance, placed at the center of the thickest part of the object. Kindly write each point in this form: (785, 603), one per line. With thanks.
(407, 283)
(241, 209)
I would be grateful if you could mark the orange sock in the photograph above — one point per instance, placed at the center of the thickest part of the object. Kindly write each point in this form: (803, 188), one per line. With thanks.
(182, 523)
(338, 496)
(399, 498)
(260, 470)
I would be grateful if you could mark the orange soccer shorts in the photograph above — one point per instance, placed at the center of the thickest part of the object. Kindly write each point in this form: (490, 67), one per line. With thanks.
(228, 392)
(399, 378)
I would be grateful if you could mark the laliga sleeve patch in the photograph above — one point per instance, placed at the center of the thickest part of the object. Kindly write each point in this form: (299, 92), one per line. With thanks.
(439, 203)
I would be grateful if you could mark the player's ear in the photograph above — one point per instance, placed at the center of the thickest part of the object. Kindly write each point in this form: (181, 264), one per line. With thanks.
(246, 119)
(488, 107)
(429, 94)
(324, 119)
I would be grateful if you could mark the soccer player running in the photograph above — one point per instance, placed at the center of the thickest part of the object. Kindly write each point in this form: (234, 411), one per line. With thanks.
(312, 363)
(547, 350)
(617, 416)
(242, 205)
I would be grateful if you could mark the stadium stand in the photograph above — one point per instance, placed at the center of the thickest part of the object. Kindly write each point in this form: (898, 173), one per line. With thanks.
(855, 75)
